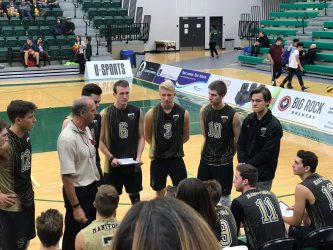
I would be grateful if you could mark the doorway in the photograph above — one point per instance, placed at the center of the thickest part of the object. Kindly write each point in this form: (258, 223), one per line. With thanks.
(192, 33)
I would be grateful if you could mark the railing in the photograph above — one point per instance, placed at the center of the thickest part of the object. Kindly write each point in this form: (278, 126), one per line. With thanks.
(98, 42)
(76, 5)
(306, 16)
(87, 22)
(127, 32)
(325, 6)
(249, 30)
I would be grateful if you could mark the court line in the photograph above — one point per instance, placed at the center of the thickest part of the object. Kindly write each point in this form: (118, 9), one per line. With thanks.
(35, 181)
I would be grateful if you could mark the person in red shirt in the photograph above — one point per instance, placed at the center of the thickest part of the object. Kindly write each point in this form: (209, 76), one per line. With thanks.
(275, 57)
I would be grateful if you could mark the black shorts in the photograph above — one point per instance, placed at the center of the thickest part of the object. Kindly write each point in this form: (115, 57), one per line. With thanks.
(224, 174)
(18, 228)
(129, 176)
(299, 232)
(161, 168)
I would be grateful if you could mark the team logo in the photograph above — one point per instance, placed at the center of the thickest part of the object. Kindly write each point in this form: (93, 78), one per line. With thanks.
(263, 132)
(224, 119)
(25, 160)
(141, 69)
(284, 103)
(175, 117)
(130, 116)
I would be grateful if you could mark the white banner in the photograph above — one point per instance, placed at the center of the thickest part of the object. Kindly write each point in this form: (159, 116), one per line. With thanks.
(300, 107)
(103, 70)
(167, 72)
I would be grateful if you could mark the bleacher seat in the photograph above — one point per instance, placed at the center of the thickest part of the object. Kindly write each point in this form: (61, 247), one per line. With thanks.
(250, 59)
(322, 34)
(54, 52)
(56, 12)
(11, 41)
(7, 31)
(320, 44)
(3, 54)
(50, 40)
(294, 14)
(328, 24)
(293, 23)
(301, 6)
(4, 21)
(15, 21)
(45, 31)
(61, 40)
(50, 20)
(116, 3)
(33, 31)
(279, 31)
(19, 31)
(40, 21)
(66, 52)
(2, 42)
(319, 69)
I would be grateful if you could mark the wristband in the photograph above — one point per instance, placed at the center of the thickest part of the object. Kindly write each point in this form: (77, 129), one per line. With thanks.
(76, 205)
(111, 159)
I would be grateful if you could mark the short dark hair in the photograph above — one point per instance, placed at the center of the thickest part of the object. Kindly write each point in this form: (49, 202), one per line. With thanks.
(295, 40)
(49, 227)
(279, 39)
(247, 171)
(265, 92)
(79, 105)
(106, 200)
(19, 109)
(300, 45)
(219, 86)
(91, 88)
(3, 125)
(120, 83)
(214, 190)
(88, 38)
(308, 159)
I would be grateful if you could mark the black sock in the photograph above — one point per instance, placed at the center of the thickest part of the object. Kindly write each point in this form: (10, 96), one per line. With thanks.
(134, 198)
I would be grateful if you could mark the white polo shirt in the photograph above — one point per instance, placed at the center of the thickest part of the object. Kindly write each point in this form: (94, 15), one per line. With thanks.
(77, 155)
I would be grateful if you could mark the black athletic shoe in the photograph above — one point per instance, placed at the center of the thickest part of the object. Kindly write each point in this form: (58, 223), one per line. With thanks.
(289, 86)
(304, 88)
(38, 65)
(282, 85)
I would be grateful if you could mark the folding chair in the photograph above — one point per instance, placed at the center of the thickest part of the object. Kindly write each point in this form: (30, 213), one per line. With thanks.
(320, 238)
(279, 244)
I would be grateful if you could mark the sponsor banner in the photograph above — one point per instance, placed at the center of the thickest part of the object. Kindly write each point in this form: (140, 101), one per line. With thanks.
(300, 107)
(167, 72)
(147, 71)
(101, 70)
(326, 118)
(193, 82)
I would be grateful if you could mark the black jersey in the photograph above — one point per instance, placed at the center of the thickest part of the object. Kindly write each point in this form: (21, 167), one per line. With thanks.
(321, 212)
(95, 129)
(219, 136)
(228, 226)
(260, 214)
(168, 132)
(124, 131)
(20, 157)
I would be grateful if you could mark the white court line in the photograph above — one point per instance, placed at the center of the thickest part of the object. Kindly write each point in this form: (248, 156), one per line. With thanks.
(35, 181)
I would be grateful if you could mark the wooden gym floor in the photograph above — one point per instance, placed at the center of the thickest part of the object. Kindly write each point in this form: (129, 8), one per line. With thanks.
(54, 98)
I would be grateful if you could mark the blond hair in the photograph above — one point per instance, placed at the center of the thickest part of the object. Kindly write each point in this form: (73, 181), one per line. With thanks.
(167, 85)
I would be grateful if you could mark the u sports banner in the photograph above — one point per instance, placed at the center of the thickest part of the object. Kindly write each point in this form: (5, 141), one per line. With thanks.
(104, 70)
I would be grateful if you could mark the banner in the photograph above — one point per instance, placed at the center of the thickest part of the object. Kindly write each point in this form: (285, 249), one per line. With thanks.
(167, 72)
(300, 107)
(147, 71)
(325, 122)
(102, 70)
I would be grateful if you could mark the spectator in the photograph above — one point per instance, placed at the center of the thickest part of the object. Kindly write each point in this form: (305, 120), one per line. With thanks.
(275, 58)
(69, 27)
(225, 216)
(43, 4)
(30, 52)
(25, 10)
(2, 9)
(310, 56)
(42, 52)
(163, 223)
(313, 198)
(58, 29)
(213, 37)
(12, 10)
(88, 48)
(262, 42)
(53, 3)
(99, 234)
(35, 8)
(79, 46)
(258, 210)
(294, 67)
(49, 227)
(194, 193)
